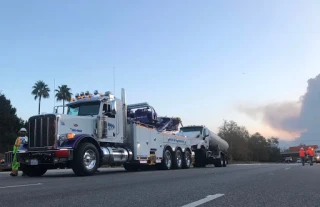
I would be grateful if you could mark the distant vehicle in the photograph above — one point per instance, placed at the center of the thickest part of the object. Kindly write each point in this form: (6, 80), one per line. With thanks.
(317, 156)
(288, 160)
(299, 160)
(7, 162)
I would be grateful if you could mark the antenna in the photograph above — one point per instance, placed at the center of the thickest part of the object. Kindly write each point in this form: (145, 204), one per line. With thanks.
(114, 82)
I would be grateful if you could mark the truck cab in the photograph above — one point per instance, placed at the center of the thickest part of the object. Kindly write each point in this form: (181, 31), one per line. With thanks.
(197, 136)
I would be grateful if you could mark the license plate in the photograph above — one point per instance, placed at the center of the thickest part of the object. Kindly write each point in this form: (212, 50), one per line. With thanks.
(33, 162)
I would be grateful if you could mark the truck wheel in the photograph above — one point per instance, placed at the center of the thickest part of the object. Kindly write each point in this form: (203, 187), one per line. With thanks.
(166, 163)
(224, 159)
(131, 167)
(34, 171)
(177, 159)
(186, 161)
(86, 160)
(200, 158)
(218, 162)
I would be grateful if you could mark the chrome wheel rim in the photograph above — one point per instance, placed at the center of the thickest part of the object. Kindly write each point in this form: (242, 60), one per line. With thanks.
(89, 159)
(188, 160)
(179, 158)
(168, 159)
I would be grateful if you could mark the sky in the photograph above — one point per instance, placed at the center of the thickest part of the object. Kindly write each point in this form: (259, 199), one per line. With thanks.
(204, 61)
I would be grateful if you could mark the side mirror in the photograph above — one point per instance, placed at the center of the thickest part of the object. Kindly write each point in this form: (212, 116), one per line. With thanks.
(105, 108)
(113, 107)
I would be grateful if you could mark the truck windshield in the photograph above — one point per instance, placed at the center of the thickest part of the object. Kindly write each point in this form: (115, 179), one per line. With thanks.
(191, 129)
(84, 109)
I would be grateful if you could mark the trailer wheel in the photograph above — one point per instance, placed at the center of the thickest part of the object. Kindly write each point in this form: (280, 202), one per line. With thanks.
(225, 161)
(34, 171)
(186, 162)
(218, 162)
(221, 162)
(177, 159)
(86, 160)
(166, 163)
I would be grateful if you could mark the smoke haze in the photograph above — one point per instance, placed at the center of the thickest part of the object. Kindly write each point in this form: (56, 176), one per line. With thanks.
(302, 117)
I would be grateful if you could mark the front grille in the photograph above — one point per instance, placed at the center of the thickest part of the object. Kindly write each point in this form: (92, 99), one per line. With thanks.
(42, 131)
(8, 157)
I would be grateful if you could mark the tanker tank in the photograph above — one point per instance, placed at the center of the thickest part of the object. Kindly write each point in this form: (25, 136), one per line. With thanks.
(215, 140)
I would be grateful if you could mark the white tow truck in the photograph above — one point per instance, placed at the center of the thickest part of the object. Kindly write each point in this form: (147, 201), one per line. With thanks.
(100, 129)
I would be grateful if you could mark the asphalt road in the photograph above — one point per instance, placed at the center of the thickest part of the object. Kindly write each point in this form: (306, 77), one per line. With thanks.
(236, 185)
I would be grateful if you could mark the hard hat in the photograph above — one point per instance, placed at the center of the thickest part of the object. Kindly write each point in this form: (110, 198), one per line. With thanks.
(301, 148)
(23, 130)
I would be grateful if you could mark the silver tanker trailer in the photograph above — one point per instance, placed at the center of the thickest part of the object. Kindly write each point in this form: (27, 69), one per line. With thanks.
(208, 147)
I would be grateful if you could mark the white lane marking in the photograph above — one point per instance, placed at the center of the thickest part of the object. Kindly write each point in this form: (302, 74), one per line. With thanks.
(204, 200)
(287, 168)
(18, 186)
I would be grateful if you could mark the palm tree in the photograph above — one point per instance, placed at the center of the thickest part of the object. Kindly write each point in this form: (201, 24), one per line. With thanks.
(40, 90)
(63, 94)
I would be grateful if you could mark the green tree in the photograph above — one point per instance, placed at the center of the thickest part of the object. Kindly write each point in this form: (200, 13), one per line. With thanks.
(63, 94)
(9, 124)
(243, 147)
(237, 138)
(274, 150)
(258, 148)
(40, 90)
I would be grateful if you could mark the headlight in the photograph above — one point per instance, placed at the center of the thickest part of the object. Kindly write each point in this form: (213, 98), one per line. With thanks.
(64, 137)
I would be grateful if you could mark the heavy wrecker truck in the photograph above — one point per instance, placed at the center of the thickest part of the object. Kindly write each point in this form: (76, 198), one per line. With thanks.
(100, 129)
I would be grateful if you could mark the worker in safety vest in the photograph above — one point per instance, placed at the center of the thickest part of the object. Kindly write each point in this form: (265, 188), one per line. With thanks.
(20, 140)
(302, 155)
(310, 153)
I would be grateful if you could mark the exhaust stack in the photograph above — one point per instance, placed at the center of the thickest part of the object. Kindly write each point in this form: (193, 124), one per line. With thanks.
(124, 108)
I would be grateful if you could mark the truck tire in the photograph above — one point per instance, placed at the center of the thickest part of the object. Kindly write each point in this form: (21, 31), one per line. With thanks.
(225, 161)
(166, 163)
(177, 159)
(221, 162)
(186, 161)
(130, 167)
(86, 160)
(200, 158)
(34, 171)
(218, 162)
